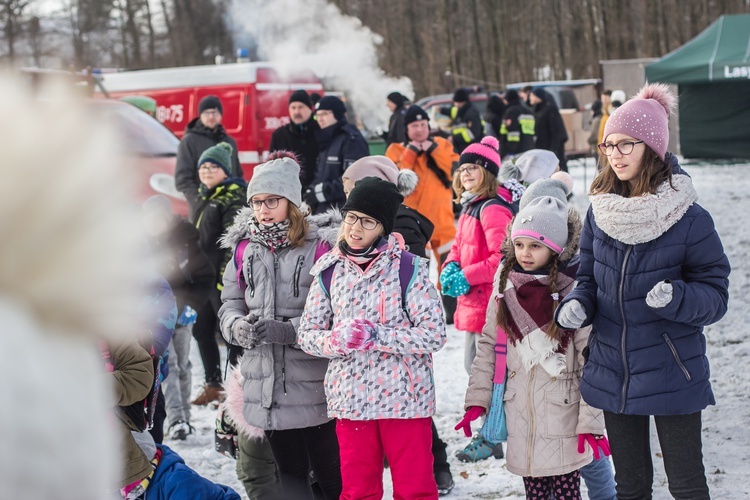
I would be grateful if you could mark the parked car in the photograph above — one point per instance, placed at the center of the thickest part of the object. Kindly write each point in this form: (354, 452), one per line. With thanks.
(151, 146)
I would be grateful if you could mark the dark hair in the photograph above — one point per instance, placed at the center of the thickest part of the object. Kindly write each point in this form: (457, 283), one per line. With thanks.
(653, 173)
(528, 88)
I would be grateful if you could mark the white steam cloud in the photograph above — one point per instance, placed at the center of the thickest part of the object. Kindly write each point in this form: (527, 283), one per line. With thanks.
(314, 34)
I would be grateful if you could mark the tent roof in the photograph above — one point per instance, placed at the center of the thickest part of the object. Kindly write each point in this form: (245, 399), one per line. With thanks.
(720, 53)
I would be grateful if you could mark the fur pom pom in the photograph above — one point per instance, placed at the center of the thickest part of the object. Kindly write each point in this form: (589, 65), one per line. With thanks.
(661, 93)
(490, 141)
(407, 182)
(277, 155)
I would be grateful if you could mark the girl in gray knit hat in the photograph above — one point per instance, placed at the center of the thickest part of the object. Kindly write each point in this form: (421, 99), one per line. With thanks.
(542, 361)
(275, 396)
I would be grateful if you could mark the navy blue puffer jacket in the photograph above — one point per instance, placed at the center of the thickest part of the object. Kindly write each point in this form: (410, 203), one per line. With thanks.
(644, 360)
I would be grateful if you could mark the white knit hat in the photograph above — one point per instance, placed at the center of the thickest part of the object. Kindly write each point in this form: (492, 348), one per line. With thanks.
(279, 177)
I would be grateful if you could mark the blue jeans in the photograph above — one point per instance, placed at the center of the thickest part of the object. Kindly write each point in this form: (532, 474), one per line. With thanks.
(599, 479)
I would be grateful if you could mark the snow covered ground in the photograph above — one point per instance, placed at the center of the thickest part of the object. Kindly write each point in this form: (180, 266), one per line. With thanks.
(724, 190)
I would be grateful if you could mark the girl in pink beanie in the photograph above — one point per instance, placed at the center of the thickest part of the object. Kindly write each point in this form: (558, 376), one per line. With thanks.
(653, 274)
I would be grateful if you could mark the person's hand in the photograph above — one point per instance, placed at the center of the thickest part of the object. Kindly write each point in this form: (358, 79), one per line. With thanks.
(310, 197)
(243, 332)
(460, 284)
(446, 277)
(473, 413)
(595, 442)
(571, 315)
(361, 335)
(660, 295)
(270, 331)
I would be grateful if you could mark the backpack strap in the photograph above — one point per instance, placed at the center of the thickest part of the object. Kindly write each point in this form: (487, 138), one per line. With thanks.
(239, 252)
(321, 249)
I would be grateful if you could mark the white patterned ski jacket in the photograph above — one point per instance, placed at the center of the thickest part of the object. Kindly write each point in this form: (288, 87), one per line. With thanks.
(394, 379)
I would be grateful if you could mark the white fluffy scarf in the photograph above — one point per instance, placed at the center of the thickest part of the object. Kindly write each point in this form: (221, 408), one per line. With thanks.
(644, 218)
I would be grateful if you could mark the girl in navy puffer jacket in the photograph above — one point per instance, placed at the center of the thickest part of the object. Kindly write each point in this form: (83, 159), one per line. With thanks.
(653, 273)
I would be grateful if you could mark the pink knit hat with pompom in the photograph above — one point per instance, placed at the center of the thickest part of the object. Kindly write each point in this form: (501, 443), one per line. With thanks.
(645, 117)
(485, 153)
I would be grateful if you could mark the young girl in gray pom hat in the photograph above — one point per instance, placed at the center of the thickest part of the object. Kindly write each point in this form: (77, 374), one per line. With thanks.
(277, 389)
(538, 365)
(653, 274)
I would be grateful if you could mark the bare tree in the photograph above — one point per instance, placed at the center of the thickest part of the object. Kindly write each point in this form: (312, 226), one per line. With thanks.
(11, 17)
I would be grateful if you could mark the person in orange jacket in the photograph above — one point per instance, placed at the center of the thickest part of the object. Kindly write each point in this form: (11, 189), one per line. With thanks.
(432, 159)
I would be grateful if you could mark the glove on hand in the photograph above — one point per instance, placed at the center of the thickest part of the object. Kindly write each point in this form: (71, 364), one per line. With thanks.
(595, 442)
(187, 317)
(361, 334)
(660, 295)
(473, 413)
(571, 315)
(446, 277)
(309, 197)
(243, 332)
(270, 331)
(459, 285)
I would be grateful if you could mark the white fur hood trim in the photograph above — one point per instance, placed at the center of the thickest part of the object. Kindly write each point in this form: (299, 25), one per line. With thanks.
(644, 218)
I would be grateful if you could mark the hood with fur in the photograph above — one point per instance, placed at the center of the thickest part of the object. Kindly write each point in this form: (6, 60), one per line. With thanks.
(324, 226)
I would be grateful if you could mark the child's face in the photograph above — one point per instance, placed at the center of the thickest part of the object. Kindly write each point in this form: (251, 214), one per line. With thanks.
(355, 233)
(532, 255)
(211, 174)
(471, 176)
(627, 167)
(348, 186)
(278, 211)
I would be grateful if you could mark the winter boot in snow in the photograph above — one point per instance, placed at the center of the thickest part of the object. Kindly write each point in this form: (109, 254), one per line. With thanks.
(480, 449)
(209, 393)
(444, 480)
(179, 430)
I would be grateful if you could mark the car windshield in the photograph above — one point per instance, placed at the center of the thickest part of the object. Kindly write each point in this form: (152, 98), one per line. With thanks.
(142, 134)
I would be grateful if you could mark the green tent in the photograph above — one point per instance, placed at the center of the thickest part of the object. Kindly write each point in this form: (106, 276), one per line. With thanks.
(713, 74)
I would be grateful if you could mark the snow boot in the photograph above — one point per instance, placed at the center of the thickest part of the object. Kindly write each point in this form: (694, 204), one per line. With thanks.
(444, 480)
(480, 449)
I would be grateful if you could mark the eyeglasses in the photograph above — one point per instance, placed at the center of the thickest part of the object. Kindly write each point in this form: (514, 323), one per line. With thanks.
(211, 112)
(625, 147)
(366, 222)
(470, 169)
(271, 203)
(211, 167)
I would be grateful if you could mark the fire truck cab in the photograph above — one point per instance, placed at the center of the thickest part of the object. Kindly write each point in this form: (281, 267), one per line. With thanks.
(254, 97)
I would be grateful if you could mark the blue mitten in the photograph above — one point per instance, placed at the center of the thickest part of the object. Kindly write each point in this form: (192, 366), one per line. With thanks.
(188, 316)
(459, 285)
(446, 277)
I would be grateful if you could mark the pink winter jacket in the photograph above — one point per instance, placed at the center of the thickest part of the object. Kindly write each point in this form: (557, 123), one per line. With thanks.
(482, 228)
(394, 379)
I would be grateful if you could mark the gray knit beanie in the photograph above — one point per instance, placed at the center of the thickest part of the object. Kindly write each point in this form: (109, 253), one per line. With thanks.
(536, 164)
(544, 219)
(544, 187)
(279, 177)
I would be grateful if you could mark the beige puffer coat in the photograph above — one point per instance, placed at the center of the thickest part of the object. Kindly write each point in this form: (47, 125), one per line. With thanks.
(545, 414)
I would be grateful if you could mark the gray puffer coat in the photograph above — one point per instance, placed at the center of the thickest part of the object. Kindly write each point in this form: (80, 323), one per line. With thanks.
(282, 385)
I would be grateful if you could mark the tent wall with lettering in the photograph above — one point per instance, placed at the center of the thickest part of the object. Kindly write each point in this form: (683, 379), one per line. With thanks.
(712, 72)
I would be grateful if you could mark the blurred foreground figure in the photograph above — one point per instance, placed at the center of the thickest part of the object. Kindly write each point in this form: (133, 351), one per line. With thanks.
(68, 277)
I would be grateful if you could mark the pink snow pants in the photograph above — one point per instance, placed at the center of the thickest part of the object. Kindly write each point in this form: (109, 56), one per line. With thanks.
(406, 443)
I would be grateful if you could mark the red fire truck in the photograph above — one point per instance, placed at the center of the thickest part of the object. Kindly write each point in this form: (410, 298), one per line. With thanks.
(254, 96)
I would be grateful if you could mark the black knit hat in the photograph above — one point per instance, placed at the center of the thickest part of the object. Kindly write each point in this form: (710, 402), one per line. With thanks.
(397, 98)
(512, 96)
(333, 104)
(414, 114)
(210, 102)
(301, 96)
(377, 198)
(461, 95)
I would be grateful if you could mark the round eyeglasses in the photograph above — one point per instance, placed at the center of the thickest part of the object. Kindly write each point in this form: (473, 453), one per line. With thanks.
(366, 222)
(270, 203)
(210, 167)
(624, 147)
